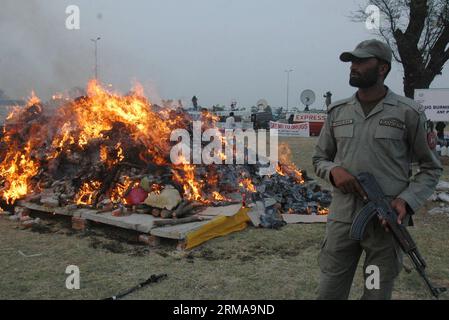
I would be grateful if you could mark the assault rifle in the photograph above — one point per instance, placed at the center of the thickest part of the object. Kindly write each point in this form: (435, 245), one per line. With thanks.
(378, 204)
(153, 279)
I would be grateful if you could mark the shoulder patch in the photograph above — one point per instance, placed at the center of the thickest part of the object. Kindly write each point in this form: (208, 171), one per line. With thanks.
(338, 103)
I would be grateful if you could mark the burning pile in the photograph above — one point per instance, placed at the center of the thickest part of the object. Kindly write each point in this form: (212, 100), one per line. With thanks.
(112, 152)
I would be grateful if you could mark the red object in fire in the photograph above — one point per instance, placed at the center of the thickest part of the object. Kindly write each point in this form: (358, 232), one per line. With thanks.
(136, 196)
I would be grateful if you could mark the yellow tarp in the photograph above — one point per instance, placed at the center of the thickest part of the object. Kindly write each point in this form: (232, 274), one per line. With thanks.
(218, 227)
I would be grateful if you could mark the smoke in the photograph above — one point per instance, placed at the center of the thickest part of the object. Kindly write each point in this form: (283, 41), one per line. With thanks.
(37, 51)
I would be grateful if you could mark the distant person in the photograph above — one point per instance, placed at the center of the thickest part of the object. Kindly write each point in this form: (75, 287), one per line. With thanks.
(291, 119)
(230, 121)
(431, 136)
(328, 97)
(440, 130)
(195, 103)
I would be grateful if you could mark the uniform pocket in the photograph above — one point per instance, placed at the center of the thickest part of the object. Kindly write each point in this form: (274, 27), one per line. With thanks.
(344, 131)
(384, 132)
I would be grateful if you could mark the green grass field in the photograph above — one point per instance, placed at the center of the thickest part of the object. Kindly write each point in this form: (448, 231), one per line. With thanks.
(252, 264)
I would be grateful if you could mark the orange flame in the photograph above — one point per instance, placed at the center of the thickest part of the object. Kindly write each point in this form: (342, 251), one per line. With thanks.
(219, 197)
(248, 185)
(323, 211)
(86, 193)
(156, 188)
(105, 155)
(192, 188)
(118, 193)
(79, 122)
(114, 124)
(17, 169)
(91, 117)
(286, 167)
(33, 99)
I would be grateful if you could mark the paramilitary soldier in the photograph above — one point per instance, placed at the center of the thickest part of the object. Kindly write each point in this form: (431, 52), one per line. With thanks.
(380, 132)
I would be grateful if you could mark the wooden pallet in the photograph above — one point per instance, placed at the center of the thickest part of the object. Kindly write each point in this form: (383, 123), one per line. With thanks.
(141, 223)
(215, 219)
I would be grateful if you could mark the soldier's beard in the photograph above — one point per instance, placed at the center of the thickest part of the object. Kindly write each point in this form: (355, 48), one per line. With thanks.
(366, 80)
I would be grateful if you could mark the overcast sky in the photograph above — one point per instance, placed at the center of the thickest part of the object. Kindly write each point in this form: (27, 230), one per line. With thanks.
(219, 50)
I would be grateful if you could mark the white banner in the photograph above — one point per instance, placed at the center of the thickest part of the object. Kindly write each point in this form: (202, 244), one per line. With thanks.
(435, 102)
(288, 130)
(310, 117)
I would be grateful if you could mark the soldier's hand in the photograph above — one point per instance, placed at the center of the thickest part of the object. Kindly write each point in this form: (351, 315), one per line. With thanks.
(401, 208)
(346, 182)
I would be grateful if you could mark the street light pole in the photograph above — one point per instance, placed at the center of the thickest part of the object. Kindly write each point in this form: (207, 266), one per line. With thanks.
(96, 56)
(288, 83)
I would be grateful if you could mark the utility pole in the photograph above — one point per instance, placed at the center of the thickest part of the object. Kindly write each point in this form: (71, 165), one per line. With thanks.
(96, 56)
(288, 84)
